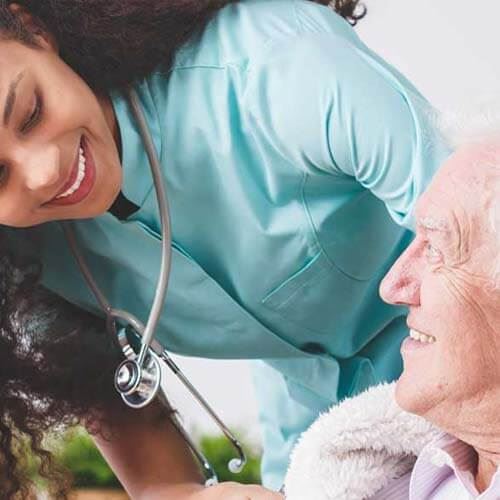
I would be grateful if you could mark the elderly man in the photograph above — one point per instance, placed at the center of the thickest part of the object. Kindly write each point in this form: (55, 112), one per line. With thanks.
(446, 409)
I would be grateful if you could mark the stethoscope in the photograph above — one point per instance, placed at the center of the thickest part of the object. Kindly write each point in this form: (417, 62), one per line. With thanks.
(138, 377)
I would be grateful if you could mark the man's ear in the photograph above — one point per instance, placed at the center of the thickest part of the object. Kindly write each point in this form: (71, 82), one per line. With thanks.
(43, 38)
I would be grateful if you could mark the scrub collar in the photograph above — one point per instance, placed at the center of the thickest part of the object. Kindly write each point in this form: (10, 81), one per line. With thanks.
(137, 178)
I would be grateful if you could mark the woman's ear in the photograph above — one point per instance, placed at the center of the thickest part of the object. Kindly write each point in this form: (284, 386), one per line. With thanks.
(43, 38)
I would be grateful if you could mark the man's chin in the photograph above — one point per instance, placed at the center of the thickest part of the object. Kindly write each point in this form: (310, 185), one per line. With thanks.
(413, 395)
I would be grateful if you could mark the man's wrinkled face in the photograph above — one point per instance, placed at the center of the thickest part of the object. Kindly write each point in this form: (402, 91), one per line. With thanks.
(58, 153)
(449, 277)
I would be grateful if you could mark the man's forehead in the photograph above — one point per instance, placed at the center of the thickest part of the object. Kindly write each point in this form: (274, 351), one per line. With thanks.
(476, 158)
(433, 207)
(494, 216)
(469, 175)
(465, 189)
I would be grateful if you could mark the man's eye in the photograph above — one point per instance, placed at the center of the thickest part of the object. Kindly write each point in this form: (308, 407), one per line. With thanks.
(433, 254)
(34, 116)
(3, 174)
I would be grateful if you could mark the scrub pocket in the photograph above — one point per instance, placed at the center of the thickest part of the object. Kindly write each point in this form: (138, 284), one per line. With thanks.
(325, 301)
(200, 317)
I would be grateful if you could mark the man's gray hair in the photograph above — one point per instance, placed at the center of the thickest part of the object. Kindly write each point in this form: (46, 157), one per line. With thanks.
(478, 122)
(473, 124)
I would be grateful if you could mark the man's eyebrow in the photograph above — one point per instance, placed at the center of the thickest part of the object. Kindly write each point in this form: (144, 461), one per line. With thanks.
(432, 224)
(11, 98)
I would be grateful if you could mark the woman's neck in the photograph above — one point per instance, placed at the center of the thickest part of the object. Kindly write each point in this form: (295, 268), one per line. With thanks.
(110, 117)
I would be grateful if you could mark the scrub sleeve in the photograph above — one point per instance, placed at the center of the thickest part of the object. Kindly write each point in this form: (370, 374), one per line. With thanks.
(332, 107)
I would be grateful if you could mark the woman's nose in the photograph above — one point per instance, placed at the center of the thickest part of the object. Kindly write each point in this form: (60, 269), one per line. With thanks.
(401, 285)
(41, 168)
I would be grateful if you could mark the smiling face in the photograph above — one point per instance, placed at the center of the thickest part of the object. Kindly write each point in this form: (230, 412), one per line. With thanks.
(449, 277)
(58, 149)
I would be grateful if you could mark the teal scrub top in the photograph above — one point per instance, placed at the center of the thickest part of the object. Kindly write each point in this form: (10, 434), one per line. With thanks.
(293, 156)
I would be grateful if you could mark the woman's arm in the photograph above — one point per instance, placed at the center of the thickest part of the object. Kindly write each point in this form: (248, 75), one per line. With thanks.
(144, 449)
(48, 348)
(153, 462)
(330, 105)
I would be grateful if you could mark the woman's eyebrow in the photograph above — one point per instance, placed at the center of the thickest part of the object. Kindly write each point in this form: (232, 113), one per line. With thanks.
(11, 98)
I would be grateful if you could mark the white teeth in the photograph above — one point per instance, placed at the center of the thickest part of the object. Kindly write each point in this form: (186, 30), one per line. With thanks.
(422, 337)
(79, 177)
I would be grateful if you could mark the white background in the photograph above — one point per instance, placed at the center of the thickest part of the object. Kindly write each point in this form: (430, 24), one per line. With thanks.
(450, 49)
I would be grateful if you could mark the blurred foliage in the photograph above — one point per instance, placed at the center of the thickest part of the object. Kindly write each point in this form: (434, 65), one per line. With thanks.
(77, 452)
(81, 457)
(219, 452)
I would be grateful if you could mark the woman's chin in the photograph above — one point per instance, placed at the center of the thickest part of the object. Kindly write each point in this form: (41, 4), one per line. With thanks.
(88, 209)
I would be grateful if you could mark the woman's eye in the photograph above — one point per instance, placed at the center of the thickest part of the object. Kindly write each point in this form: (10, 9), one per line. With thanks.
(34, 116)
(433, 254)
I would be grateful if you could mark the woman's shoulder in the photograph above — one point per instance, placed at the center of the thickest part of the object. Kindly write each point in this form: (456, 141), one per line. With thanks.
(244, 30)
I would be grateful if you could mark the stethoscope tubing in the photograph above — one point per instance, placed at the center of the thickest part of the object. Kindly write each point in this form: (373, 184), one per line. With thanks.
(166, 229)
(146, 332)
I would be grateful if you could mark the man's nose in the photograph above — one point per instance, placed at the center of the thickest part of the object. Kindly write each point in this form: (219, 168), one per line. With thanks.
(41, 167)
(401, 285)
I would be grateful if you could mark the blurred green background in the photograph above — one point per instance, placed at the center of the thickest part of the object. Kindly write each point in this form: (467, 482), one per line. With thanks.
(79, 455)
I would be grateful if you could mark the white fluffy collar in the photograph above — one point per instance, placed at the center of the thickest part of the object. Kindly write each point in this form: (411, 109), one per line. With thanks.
(356, 448)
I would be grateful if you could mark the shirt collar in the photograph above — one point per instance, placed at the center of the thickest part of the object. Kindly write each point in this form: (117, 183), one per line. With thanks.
(137, 178)
(443, 457)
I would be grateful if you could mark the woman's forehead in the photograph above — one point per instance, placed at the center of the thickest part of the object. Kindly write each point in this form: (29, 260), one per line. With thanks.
(14, 59)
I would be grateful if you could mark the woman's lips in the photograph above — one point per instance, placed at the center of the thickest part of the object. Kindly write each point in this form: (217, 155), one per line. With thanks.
(86, 184)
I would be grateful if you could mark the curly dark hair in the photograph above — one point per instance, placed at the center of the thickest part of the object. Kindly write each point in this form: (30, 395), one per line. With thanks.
(112, 43)
(47, 346)
(48, 349)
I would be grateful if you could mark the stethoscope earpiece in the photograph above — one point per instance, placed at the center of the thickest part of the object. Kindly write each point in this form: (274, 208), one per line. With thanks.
(235, 465)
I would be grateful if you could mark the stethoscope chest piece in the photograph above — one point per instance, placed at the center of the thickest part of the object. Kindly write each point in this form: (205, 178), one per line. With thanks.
(137, 385)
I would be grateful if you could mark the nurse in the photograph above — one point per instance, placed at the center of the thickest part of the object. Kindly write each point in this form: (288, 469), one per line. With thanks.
(293, 156)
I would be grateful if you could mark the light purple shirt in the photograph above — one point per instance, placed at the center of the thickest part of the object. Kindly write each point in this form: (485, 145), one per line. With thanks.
(444, 470)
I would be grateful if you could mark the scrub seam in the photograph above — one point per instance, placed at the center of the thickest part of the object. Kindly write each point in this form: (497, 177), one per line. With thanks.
(312, 228)
(151, 93)
(297, 18)
(160, 122)
(317, 244)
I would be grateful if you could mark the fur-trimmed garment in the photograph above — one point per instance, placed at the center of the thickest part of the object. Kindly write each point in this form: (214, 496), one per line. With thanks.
(357, 448)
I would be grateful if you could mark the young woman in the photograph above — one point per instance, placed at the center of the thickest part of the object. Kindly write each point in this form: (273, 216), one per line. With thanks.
(289, 150)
